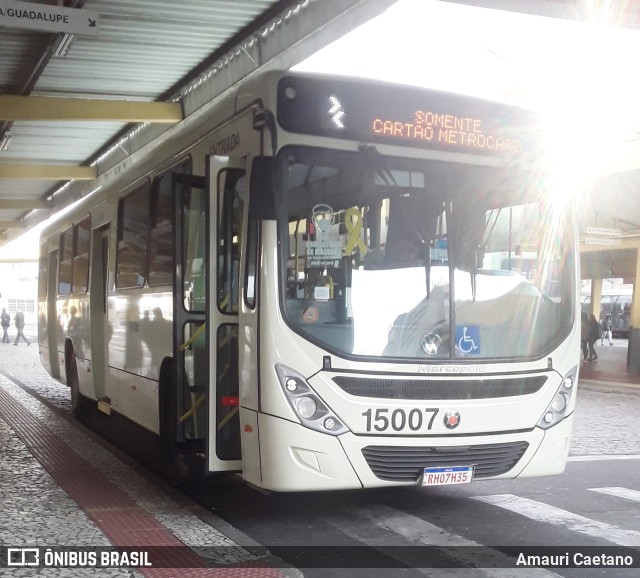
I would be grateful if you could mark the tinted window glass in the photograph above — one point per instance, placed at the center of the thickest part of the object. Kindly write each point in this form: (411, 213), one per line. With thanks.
(82, 234)
(133, 225)
(66, 262)
(231, 187)
(161, 238)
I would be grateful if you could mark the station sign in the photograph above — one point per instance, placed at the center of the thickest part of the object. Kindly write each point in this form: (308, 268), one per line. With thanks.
(49, 18)
(602, 241)
(601, 231)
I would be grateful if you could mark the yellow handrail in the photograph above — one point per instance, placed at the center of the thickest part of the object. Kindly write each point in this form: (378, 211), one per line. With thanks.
(185, 416)
(193, 337)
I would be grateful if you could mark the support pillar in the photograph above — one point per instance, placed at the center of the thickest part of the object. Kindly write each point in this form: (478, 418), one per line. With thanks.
(633, 355)
(596, 297)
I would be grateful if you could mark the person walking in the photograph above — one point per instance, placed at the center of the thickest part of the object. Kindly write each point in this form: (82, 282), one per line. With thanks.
(6, 321)
(584, 336)
(594, 333)
(18, 321)
(606, 330)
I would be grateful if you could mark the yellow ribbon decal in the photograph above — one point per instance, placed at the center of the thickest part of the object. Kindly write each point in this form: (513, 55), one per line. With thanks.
(353, 223)
(328, 279)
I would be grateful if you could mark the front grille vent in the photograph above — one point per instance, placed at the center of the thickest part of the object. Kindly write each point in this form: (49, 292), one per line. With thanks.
(386, 388)
(406, 464)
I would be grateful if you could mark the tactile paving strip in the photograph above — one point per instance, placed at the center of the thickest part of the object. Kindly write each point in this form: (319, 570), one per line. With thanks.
(121, 520)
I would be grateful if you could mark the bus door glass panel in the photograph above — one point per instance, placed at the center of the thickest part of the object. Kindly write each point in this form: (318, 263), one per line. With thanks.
(231, 200)
(230, 235)
(195, 358)
(194, 243)
(195, 371)
(227, 394)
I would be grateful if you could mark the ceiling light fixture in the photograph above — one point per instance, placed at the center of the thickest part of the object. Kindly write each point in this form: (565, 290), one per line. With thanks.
(63, 45)
(5, 140)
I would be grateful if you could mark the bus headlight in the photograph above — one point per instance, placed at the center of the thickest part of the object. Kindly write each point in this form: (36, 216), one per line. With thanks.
(310, 409)
(558, 407)
(306, 407)
(559, 403)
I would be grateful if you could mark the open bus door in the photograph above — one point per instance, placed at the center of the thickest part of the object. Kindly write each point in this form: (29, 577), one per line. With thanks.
(227, 180)
(183, 381)
(200, 390)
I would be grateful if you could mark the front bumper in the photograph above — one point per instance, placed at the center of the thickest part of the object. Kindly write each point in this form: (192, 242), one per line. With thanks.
(294, 458)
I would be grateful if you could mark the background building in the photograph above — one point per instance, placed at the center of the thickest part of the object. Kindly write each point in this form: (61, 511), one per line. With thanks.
(18, 289)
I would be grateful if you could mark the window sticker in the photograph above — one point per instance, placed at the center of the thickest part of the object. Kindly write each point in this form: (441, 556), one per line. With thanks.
(323, 251)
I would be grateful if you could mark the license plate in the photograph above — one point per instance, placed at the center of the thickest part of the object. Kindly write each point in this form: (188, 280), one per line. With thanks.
(447, 476)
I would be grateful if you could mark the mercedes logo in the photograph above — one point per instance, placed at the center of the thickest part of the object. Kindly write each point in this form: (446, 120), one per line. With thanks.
(431, 343)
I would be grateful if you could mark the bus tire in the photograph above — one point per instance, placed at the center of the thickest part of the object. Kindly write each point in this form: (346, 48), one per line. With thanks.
(78, 401)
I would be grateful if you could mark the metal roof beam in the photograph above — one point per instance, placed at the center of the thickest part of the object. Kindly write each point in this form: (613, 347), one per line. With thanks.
(24, 204)
(55, 108)
(46, 172)
(13, 225)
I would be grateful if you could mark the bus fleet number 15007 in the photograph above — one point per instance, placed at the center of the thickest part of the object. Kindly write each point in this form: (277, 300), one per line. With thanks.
(382, 419)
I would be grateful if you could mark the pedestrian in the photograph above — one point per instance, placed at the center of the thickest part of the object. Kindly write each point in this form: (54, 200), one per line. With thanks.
(18, 321)
(584, 336)
(606, 330)
(6, 321)
(594, 333)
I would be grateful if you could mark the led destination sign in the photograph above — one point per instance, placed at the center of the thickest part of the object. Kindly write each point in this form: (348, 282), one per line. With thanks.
(445, 129)
(377, 112)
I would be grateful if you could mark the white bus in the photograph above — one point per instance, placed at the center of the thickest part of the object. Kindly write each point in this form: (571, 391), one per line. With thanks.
(316, 288)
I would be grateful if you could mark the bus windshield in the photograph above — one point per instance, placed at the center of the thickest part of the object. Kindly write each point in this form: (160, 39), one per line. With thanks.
(385, 257)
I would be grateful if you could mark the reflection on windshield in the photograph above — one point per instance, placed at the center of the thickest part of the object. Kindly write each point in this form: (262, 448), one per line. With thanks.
(373, 263)
(508, 318)
(388, 292)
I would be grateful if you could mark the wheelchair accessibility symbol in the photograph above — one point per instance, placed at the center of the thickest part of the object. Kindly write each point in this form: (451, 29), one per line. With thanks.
(468, 339)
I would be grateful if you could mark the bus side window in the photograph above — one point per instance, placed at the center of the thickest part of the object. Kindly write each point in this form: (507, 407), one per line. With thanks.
(66, 262)
(133, 226)
(80, 275)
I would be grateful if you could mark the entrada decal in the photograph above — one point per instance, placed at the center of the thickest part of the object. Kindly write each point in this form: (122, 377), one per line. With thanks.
(226, 145)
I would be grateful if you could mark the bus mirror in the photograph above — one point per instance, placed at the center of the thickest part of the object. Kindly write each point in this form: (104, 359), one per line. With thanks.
(262, 196)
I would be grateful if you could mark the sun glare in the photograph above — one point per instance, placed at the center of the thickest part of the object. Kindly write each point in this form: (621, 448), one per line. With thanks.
(575, 73)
